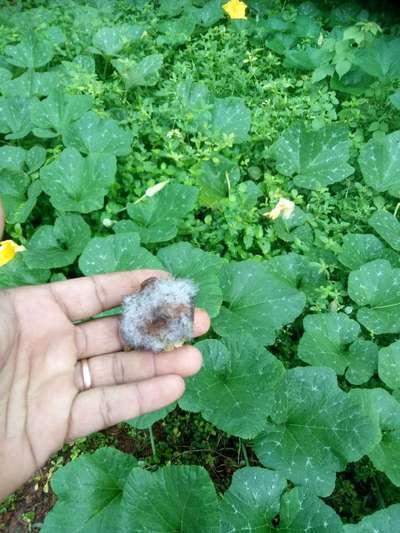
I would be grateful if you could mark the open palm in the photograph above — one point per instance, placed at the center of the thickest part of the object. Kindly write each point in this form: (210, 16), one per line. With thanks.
(42, 398)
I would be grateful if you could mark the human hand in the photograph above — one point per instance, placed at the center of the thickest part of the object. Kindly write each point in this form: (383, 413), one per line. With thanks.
(43, 401)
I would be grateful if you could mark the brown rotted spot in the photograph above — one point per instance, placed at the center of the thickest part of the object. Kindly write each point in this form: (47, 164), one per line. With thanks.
(163, 315)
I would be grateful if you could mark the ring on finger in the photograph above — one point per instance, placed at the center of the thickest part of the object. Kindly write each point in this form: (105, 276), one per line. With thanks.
(86, 375)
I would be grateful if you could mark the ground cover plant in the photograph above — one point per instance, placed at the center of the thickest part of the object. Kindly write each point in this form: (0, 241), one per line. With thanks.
(137, 133)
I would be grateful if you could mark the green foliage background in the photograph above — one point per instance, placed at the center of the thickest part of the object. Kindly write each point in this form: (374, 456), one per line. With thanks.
(101, 100)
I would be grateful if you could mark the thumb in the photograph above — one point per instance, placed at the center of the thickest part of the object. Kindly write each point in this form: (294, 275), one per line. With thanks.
(2, 219)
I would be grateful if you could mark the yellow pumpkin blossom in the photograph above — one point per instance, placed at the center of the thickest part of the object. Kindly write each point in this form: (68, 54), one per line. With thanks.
(8, 249)
(284, 207)
(236, 9)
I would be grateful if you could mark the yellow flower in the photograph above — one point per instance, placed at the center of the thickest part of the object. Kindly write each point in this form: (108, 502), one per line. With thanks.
(236, 9)
(8, 249)
(284, 207)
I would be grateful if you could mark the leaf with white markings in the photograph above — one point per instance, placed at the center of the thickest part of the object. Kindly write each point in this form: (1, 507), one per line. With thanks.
(325, 340)
(386, 226)
(315, 158)
(144, 73)
(359, 248)
(235, 386)
(19, 195)
(184, 497)
(257, 302)
(185, 261)
(94, 135)
(15, 121)
(77, 183)
(252, 500)
(30, 53)
(110, 40)
(384, 521)
(376, 288)
(115, 253)
(58, 245)
(302, 511)
(89, 491)
(380, 163)
(52, 116)
(316, 429)
(389, 365)
(385, 410)
(156, 219)
(298, 271)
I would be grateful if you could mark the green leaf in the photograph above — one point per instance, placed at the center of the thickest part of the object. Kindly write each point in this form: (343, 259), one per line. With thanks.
(252, 500)
(94, 135)
(32, 83)
(384, 521)
(30, 53)
(380, 163)
(185, 261)
(210, 13)
(115, 253)
(359, 248)
(177, 31)
(15, 117)
(316, 429)
(382, 406)
(298, 271)
(12, 158)
(173, 8)
(389, 365)
(230, 116)
(184, 497)
(146, 421)
(394, 99)
(354, 82)
(386, 226)
(53, 115)
(16, 273)
(363, 361)
(325, 340)
(257, 302)
(376, 287)
(76, 183)
(89, 492)
(216, 178)
(381, 59)
(195, 104)
(59, 245)
(157, 218)
(308, 58)
(18, 195)
(110, 40)
(235, 387)
(35, 158)
(315, 158)
(302, 511)
(144, 73)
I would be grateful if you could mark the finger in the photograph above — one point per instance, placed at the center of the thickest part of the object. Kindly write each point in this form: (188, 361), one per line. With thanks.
(85, 297)
(101, 336)
(129, 367)
(102, 407)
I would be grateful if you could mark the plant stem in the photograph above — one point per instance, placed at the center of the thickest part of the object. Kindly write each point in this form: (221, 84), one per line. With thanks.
(153, 444)
(381, 501)
(246, 457)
